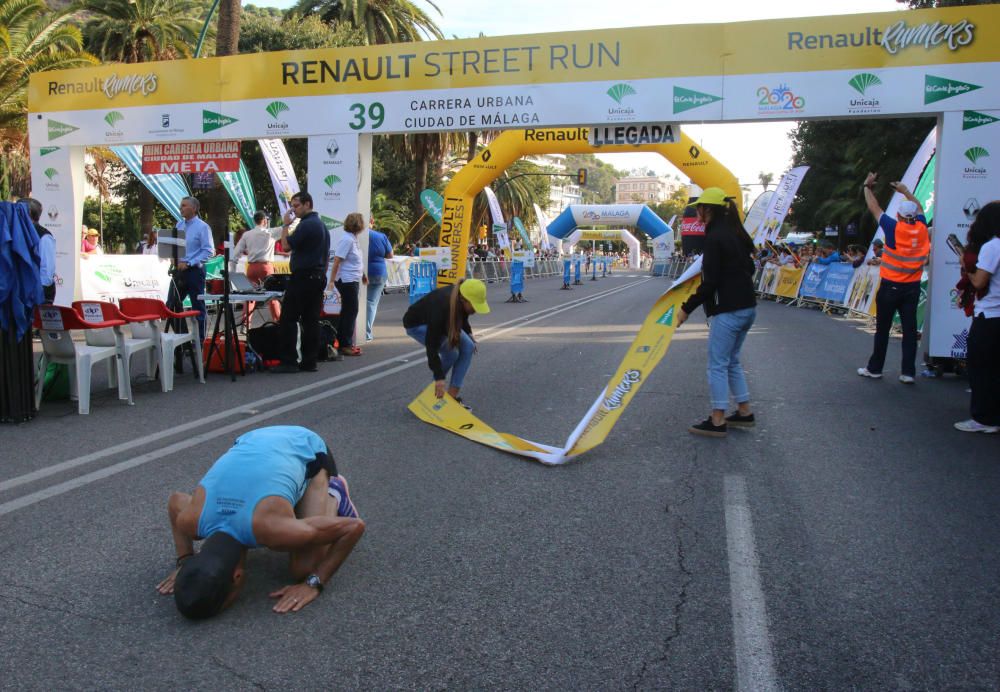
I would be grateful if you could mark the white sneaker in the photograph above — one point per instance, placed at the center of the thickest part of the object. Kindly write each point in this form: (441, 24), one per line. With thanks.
(972, 425)
(864, 372)
(906, 379)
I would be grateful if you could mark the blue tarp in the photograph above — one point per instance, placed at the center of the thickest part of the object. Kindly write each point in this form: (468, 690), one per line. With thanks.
(20, 263)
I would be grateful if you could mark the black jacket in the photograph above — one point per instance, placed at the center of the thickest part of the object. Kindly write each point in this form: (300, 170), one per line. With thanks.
(432, 310)
(727, 271)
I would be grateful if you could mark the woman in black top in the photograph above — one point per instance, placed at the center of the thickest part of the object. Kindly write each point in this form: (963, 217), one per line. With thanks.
(440, 321)
(730, 304)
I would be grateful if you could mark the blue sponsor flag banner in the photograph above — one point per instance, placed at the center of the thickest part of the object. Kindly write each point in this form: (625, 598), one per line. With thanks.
(566, 264)
(836, 283)
(576, 268)
(517, 277)
(815, 273)
(423, 280)
(168, 188)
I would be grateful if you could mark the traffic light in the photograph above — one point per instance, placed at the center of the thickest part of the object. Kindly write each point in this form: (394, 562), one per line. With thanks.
(581, 177)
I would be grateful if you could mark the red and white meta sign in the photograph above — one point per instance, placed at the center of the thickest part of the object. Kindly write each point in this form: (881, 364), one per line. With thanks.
(191, 157)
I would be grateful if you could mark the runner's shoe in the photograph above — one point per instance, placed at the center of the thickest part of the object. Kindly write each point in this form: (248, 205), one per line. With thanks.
(708, 429)
(973, 425)
(738, 420)
(461, 403)
(865, 372)
(906, 379)
(338, 491)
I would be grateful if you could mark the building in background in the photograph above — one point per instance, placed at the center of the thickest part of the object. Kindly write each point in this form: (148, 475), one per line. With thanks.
(644, 189)
(563, 191)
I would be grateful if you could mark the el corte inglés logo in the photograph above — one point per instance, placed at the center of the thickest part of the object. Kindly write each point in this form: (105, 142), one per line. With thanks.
(972, 119)
(940, 88)
(45, 151)
(686, 99)
(214, 121)
(667, 320)
(58, 129)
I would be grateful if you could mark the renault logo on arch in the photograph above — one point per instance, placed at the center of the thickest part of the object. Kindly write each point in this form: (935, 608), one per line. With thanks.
(695, 154)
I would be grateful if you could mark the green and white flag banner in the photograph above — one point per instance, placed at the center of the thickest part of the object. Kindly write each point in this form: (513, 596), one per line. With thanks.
(241, 191)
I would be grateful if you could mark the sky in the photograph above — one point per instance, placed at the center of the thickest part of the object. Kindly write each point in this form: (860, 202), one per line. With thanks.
(746, 149)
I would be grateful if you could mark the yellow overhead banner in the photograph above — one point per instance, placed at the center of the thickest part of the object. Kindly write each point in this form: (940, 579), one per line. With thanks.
(644, 354)
(847, 42)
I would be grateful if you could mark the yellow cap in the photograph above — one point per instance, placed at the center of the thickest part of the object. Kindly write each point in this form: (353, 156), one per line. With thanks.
(474, 291)
(712, 195)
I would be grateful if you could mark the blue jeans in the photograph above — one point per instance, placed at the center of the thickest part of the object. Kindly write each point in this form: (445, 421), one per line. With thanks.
(726, 334)
(457, 360)
(375, 286)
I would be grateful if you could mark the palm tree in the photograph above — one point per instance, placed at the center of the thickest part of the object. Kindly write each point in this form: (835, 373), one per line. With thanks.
(382, 21)
(765, 179)
(32, 39)
(136, 31)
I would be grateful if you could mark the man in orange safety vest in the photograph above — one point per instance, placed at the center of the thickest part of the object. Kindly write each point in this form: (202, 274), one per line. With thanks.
(906, 250)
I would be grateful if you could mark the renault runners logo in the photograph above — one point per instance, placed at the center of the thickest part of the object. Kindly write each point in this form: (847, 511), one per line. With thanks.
(686, 99)
(972, 119)
(58, 129)
(214, 121)
(940, 88)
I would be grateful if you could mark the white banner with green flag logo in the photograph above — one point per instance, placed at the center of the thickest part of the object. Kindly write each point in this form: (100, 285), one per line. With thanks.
(525, 238)
(778, 205)
(168, 188)
(279, 166)
(241, 191)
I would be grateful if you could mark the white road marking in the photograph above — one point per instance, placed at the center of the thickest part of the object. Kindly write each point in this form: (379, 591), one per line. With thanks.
(752, 642)
(213, 433)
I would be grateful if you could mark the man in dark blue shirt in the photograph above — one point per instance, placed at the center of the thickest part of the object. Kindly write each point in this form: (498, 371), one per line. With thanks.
(303, 301)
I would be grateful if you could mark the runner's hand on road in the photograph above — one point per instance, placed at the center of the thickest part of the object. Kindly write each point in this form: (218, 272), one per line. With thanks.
(294, 598)
(166, 587)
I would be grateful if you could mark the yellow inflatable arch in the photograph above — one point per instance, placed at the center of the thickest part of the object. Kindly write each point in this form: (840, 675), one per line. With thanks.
(456, 220)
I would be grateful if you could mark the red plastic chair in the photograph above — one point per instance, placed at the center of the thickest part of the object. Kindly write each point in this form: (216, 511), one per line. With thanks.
(141, 339)
(137, 308)
(54, 323)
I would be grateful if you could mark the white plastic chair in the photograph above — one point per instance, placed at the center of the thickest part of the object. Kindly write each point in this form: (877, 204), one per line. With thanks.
(54, 323)
(168, 341)
(142, 339)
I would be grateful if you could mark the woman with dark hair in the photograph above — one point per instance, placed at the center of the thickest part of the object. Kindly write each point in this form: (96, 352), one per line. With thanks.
(983, 351)
(727, 293)
(347, 275)
(440, 321)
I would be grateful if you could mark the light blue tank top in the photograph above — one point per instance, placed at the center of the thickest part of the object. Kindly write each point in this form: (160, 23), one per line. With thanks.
(263, 463)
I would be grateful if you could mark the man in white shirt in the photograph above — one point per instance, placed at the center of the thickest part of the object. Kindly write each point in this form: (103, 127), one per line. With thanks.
(258, 245)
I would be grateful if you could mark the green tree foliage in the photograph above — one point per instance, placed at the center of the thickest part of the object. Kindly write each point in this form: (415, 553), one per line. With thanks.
(32, 40)
(840, 154)
(673, 206)
(142, 30)
(601, 178)
(268, 29)
(381, 21)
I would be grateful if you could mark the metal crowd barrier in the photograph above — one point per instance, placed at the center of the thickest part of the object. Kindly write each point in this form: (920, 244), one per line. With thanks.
(670, 268)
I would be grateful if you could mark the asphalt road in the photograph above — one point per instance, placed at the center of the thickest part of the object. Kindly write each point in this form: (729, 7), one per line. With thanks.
(846, 542)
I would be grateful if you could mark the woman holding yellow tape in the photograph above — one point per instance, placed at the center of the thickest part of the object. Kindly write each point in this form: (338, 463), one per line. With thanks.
(440, 321)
